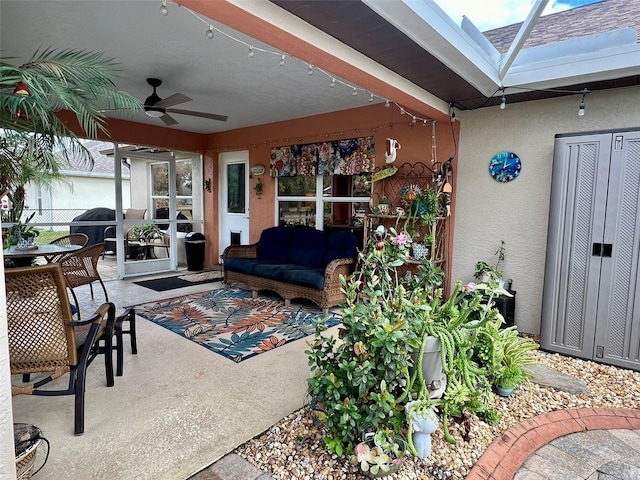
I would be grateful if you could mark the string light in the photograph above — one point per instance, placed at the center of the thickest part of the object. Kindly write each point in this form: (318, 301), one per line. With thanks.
(310, 72)
(163, 8)
(503, 101)
(582, 105)
(275, 142)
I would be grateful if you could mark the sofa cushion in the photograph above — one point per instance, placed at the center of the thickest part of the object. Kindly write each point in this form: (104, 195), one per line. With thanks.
(307, 247)
(271, 271)
(241, 265)
(308, 277)
(274, 244)
(341, 245)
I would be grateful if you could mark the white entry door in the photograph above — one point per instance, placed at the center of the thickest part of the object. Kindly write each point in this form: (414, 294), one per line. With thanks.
(234, 199)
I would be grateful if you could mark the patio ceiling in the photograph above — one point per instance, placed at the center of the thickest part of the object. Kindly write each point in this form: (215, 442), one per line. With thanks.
(407, 51)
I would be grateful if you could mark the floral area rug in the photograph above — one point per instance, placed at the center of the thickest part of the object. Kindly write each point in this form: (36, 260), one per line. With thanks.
(233, 324)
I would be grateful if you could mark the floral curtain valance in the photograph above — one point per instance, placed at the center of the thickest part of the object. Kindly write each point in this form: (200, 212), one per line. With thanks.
(341, 157)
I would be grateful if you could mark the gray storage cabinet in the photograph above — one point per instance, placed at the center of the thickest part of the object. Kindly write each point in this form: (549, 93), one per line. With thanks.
(591, 296)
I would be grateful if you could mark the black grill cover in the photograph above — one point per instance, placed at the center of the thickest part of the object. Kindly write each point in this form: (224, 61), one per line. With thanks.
(94, 232)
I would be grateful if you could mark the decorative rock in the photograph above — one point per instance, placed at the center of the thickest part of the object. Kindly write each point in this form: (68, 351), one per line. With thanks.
(609, 387)
(549, 377)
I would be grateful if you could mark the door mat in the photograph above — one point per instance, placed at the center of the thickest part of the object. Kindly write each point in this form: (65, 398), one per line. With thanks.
(232, 323)
(169, 283)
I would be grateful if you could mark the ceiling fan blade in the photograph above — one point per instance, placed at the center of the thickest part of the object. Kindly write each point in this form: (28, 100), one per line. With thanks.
(168, 120)
(170, 101)
(211, 116)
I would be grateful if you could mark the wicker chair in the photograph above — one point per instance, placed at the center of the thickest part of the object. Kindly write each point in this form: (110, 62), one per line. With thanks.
(68, 240)
(81, 268)
(44, 338)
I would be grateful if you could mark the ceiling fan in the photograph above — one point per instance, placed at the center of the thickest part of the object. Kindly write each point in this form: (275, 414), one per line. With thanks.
(156, 107)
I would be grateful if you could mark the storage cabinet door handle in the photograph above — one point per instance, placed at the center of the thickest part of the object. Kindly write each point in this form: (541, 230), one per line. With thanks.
(607, 249)
(596, 250)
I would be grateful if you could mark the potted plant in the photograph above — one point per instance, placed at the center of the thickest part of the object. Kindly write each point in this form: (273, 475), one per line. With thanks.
(362, 380)
(489, 273)
(22, 234)
(505, 355)
(380, 454)
(515, 356)
(258, 187)
(384, 206)
(146, 232)
(458, 323)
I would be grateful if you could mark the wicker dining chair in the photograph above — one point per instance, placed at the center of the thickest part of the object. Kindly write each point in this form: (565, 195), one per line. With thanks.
(81, 268)
(68, 240)
(44, 338)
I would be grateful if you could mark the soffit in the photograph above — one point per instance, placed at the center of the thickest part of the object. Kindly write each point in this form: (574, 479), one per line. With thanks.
(357, 25)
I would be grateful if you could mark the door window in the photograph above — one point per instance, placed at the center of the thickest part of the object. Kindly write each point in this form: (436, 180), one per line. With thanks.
(236, 188)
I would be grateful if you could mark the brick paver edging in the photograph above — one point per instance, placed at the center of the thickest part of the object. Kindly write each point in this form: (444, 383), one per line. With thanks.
(504, 457)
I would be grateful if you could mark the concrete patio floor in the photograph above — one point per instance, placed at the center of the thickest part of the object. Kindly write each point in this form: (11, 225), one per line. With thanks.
(178, 408)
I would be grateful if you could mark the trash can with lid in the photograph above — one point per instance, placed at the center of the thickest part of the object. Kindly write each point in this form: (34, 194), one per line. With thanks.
(194, 243)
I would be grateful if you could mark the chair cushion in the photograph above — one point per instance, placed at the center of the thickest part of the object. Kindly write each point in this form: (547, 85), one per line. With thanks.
(240, 265)
(341, 245)
(274, 244)
(308, 277)
(307, 247)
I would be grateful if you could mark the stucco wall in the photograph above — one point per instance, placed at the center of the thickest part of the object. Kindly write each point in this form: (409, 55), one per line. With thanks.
(517, 212)
(374, 120)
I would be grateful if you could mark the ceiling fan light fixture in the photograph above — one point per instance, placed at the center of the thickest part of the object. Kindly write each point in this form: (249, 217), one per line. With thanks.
(154, 112)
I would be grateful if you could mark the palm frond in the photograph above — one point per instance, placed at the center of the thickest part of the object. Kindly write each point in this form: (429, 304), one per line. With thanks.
(80, 81)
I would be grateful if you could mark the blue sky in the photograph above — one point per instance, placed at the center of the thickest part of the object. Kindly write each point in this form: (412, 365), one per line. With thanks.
(489, 14)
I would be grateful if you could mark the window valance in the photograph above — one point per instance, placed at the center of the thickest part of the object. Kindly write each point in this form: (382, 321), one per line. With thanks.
(341, 157)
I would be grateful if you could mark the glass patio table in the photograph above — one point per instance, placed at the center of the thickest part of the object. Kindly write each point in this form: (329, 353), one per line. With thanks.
(24, 255)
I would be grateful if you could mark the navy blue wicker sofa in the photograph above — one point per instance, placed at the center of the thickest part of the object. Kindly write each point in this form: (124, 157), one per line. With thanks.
(294, 262)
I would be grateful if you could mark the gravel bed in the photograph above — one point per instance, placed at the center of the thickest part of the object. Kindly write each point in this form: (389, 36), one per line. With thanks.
(293, 449)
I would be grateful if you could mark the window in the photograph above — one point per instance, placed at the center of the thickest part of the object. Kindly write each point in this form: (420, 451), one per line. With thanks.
(341, 200)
